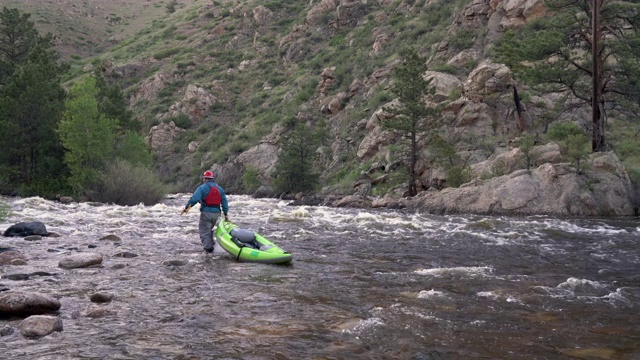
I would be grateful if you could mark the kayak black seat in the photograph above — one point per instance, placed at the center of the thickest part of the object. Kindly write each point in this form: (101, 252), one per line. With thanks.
(244, 238)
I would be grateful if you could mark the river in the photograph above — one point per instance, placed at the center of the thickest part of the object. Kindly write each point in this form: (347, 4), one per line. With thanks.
(366, 284)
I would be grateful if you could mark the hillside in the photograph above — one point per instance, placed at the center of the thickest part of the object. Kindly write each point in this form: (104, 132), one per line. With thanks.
(88, 28)
(217, 84)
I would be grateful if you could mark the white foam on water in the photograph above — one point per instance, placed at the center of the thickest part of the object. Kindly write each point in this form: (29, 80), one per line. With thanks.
(431, 294)
(514, 300)
(366, 217)
(574, 288)
(473, 271)
(574, 284)
(301, 212)
(617, 296)
(488, 294)
(364, 325)
(418, 314)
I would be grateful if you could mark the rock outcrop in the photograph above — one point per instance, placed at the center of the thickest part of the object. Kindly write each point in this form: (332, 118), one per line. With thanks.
(550, 189)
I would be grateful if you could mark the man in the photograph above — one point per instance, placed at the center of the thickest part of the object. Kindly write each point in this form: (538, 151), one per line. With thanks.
(212, 201)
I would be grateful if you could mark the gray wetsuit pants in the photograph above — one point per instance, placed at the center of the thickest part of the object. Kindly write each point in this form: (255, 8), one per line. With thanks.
(208, 221)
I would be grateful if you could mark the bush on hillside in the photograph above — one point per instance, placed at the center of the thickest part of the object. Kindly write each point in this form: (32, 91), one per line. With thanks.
(573, 141)
(125, 184)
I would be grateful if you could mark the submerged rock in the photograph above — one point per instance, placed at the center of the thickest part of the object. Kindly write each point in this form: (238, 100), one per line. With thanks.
(7, 257)
(21, 303)
(101, 297)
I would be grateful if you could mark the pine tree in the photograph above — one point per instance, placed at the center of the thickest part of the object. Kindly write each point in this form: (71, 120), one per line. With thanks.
(412, 118)
(18, 36)
(587, 48)
(111, 102)
(31, 104)
(294, 169)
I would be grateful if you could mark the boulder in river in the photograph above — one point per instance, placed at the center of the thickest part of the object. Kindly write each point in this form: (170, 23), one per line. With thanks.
(40, 325)
(101, 297)
(80, 260)
(23, 229)
(14, 303)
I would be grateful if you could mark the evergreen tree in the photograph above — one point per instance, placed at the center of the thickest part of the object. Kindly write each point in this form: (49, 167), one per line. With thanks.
(87, 134)
(31, 104)
(589, 49)
(412, 118)
(111, 102)
(18, 36)
(294, 170)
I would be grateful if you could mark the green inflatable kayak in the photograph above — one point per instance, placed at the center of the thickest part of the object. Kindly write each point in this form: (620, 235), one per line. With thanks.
(245, 245)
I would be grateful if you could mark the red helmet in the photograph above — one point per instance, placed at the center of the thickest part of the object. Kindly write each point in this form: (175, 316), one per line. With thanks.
(207, 175)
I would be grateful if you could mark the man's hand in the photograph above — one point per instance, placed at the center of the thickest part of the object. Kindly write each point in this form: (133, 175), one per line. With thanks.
(226, 218)
(185, 210)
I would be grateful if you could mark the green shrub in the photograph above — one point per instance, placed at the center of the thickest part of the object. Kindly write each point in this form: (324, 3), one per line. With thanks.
(463, 39)
(163, 54)
(627, 148)
(396, 179)
(577, 149)
(526, 143)
(458, 175)
(126, 184)
(181, 120)
(573, 141)
(380, 98)
(561, 131)
(168, 32)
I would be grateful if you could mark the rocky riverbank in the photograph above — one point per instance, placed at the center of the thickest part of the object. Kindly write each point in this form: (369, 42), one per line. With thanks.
(551, 188)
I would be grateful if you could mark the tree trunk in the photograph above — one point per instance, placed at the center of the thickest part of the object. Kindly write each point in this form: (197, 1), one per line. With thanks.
(597, 121)
(414, 160)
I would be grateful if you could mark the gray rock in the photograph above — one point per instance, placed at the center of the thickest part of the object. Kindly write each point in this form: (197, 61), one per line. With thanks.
(16, 277)
(40, 325)
(21, 303)
(7, 330)
(126, 254)
(99, 312)
(174, 262)
(101, 297)
(23, 229)
(7, 257)
(111, 237)
(80, 260)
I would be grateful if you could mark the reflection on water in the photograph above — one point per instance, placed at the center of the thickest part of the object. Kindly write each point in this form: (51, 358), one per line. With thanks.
(363, 284)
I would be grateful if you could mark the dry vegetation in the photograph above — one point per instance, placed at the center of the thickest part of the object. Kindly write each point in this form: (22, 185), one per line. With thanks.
(89, 27)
